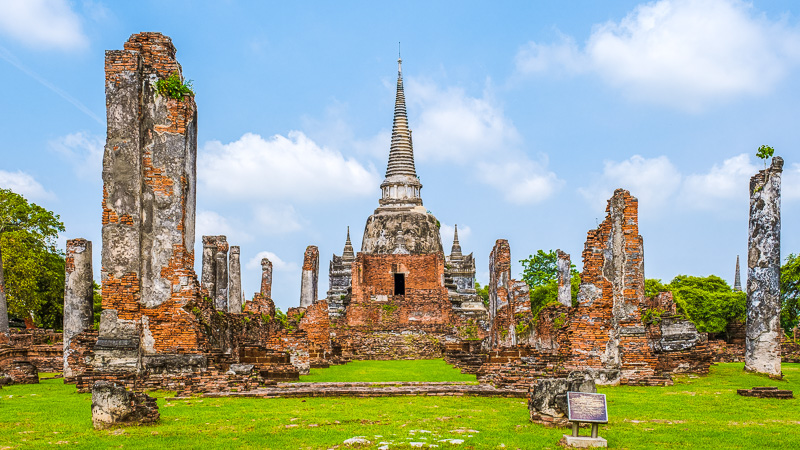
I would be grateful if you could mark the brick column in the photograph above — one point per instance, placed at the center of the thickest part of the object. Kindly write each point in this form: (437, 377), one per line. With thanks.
(266, 278)
(235, 280)
(499, 277)
(763, 338)
(149, 198)
(309, 280)
(563, 265)
(209, 273)
(78, 294)
(221, 281)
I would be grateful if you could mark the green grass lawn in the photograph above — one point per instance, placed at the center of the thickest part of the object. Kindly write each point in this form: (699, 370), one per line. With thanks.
(421, 370)
(697, 412)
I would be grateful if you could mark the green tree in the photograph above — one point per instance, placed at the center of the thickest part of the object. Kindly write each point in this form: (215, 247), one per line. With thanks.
(27, 233)
(709, 302)
(540, 273)
(483, 293)
(653, 287)
(790, 292)
(539, 269)
(97, 303)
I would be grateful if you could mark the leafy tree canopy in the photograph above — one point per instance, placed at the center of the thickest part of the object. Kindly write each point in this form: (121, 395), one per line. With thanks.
(790, 292)
(32, 274)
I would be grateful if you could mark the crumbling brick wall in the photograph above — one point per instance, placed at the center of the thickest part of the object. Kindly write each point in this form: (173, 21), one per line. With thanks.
(606, 333)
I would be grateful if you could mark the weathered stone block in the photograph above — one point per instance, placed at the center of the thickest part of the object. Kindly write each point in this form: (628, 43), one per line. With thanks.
(114, 405)
(547, 402)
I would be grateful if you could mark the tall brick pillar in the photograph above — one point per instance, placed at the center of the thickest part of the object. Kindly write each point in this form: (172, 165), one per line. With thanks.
(78, 294)
(763, 338)
(613, 338)
(235, 279)
(499, 278)
(563, 266)
(149, 178)
(266, 278)
(309, 280)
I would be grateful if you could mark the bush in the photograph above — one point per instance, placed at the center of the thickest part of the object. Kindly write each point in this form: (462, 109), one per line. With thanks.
(173, 87)
(708, 302)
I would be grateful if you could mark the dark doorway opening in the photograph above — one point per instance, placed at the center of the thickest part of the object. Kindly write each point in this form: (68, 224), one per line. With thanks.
(399, 284)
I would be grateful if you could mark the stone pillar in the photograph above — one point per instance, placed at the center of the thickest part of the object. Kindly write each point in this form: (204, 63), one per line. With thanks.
(563, 265)
(78, 294)
(209, 273)
(763, 329)
(308, 282)
(149, 199)
(235, 279)
(221, 281)
(266, 278)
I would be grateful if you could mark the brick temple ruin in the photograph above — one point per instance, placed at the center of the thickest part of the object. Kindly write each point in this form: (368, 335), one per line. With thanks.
(400, 296)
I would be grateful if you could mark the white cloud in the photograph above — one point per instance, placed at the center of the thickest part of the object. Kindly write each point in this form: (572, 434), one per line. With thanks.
(521, 181)
(277, 263)
(681, 53)
(42, 24)
(24, 185)
(790, 183)
(453, 127)
(656, 182)
(210, 223)
(278, 218)
(83, 151)
(728, 181)
(456, 129)
(287, 168)
(564, 56)
(651, 180)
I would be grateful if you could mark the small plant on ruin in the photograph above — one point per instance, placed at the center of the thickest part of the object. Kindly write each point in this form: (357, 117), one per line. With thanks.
(281, 318)
(652, 316)
(389, 308)
(765, 152)
(173, 87)
(559, 321)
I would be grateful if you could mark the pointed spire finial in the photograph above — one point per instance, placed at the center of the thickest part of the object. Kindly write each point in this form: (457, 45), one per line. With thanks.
(401, 186)
(399, 62)
(347, 254)
(455, 252)
(737, 280)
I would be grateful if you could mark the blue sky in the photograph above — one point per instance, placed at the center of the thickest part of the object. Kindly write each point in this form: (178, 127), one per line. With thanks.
(526, 116)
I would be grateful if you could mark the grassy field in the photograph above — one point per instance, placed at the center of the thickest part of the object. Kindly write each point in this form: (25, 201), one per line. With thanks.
(697, 412)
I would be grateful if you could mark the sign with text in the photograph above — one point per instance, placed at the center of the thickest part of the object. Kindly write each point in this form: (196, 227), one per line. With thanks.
(586, 407)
